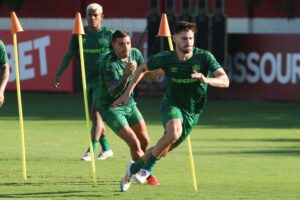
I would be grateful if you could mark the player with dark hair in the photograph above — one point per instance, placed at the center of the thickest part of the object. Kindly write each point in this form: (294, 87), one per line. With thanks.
(188, 72)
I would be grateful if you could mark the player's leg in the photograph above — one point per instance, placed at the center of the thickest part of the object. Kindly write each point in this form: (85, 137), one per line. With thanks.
(172, 118)
(138, 125)
(116, 119)
(99, 134)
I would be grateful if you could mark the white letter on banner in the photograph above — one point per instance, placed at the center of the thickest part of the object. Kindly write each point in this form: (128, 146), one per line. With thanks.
(283, 79)
(25, 60)
(41, 44)
(251, 59)
(296, 67)
(239, 77)
(265, 77)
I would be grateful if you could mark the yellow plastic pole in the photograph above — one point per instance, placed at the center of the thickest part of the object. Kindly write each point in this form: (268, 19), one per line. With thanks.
(84, 88)
(20, 106)
(188, 139)
(192, 165)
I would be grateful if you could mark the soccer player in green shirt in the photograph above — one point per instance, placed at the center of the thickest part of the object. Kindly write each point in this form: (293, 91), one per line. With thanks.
(188, 72)
(4, 71)
(125, 120)
(96, 43)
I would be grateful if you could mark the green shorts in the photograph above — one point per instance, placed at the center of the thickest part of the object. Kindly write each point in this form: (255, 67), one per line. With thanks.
(170, 110)
(121, 116)
(93, 93)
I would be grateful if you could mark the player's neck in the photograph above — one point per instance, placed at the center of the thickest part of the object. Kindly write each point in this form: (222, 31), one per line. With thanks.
(95, 29)
(184, 56)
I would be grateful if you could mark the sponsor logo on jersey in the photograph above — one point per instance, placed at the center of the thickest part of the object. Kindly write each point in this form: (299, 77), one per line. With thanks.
(103, 42)
(116, 123)
(196, 68)
(174, 69)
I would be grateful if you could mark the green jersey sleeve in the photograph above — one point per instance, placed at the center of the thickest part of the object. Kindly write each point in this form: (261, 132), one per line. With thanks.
(137, 56)
(158, 60)
(212, 62)
(3, 54)
(73, 47)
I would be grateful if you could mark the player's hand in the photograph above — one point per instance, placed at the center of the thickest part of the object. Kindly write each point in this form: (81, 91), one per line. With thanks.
(1, 99)
(56, 81)
(123, 100)
(130, 68)
(199, 76)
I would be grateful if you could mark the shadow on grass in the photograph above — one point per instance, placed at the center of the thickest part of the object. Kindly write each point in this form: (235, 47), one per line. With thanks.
(270, 152)
(56, 194)
(59, 194)
(248, 140)
(217, 114)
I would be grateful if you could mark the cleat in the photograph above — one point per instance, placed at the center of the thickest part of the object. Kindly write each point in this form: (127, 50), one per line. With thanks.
(142, 176)
(86, 157)
(127, 180)
(103, 155)
(152, 180)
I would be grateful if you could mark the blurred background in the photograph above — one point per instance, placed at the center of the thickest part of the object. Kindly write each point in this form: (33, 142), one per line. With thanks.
(256, 41)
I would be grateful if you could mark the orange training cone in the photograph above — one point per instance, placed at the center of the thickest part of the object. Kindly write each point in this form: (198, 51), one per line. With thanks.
(15, 24)
(164, 30)
(78, 27)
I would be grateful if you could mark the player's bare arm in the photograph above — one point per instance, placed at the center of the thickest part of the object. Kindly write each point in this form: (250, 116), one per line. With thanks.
(153, 75)
(115, 87)
(137, 76)
(220, 78)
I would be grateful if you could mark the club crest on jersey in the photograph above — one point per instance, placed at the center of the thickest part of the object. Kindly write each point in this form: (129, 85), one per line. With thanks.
(174, 69)
(196, 68)
(120, 72)
(103, 42)
(116, 123)
(172, 113)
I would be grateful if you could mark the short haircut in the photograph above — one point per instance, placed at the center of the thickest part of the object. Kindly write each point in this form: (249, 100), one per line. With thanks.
(181, 26)
(119, 34)
(94, 6)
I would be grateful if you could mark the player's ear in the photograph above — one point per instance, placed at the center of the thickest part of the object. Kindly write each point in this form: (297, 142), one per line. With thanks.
(174, 38)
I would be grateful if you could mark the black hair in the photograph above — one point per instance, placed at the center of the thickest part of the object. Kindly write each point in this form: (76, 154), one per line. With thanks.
(119, 34)
(181, 26)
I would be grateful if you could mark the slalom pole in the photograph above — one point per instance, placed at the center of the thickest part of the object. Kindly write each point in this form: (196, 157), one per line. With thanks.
(16, 28)
(164, 31)
(78, 30)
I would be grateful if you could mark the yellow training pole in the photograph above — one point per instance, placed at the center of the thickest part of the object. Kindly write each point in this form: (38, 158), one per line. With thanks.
(15, 28)
(78, 29)
(164, 31)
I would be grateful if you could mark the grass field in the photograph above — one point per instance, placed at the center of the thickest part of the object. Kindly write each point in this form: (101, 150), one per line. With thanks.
(242, 150)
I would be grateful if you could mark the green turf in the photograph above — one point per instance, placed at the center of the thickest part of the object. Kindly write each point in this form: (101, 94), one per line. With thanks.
(242, 150)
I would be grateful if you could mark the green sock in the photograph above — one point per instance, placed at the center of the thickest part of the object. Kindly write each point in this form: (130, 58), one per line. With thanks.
(104, 143)
(94, 143)
(136, 166)
(150, 163)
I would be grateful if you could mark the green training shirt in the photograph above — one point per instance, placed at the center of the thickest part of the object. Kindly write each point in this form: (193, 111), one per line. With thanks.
(184, 91)
(3, 54)
(95, 45)
(113, 70)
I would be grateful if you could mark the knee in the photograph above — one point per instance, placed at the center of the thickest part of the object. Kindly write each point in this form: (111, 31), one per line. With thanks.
(145, 141)
(174, 132)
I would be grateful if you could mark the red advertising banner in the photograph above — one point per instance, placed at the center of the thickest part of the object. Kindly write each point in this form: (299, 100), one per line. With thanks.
(263, 66)
(40, 53)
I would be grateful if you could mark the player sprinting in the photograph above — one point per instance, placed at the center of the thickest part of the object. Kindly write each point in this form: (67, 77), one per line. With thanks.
(188, 72)
(96, 43)
(4, 71)
(125, 120)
